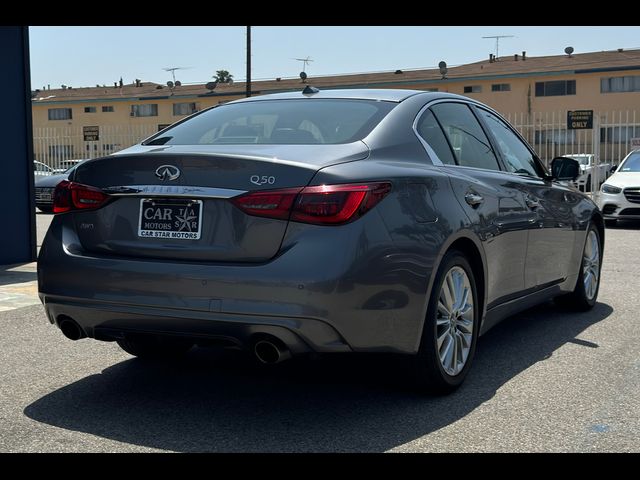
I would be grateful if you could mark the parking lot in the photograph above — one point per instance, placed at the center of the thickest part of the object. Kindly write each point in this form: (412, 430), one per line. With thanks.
(545, 380)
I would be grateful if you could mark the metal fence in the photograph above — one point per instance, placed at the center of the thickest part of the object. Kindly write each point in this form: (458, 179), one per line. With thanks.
(610, 138)
(56, 147)
(547, 132)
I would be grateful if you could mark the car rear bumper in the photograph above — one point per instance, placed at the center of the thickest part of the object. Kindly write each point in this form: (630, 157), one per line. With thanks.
(312, 296)
(111, 321)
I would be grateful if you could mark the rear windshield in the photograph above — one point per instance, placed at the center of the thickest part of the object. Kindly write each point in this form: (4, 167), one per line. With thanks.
(278, 122)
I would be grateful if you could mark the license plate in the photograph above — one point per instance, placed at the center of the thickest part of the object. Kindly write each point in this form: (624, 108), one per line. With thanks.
(168, 218)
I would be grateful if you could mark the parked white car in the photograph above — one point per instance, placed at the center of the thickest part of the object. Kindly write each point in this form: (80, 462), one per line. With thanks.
(620, 195)
(41, 169)
(589, 171)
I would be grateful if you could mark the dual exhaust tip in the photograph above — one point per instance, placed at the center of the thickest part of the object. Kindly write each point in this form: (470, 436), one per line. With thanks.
(270, 352)
(267, 351)
(71, 329)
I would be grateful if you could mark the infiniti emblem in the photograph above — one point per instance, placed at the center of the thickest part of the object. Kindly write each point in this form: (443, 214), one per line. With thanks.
(167, 172)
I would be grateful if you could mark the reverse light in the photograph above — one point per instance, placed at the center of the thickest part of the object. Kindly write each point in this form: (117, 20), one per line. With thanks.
(70, 196)
(606, 188)
(319, 205)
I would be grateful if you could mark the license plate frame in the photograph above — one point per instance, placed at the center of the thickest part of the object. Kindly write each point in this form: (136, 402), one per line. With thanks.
(170, 218)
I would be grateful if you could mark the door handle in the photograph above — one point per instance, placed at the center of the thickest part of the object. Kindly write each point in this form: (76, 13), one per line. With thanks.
(531, 202)
(473, 199)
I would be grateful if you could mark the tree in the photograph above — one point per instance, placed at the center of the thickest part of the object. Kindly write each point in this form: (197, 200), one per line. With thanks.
(223, 76)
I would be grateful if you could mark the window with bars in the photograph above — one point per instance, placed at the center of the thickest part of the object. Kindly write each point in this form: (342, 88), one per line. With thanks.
(89, 109)
(107, 108)
(472, 89)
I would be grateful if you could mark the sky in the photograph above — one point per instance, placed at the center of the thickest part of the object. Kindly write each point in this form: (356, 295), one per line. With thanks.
(87, 56)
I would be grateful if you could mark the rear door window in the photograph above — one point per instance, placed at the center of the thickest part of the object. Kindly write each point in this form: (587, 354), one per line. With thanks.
(471, 146)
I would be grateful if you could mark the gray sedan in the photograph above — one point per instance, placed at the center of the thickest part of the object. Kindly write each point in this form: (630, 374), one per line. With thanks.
(324, 221)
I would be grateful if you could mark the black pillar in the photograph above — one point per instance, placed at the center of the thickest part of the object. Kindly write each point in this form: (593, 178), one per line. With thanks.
(17, 206)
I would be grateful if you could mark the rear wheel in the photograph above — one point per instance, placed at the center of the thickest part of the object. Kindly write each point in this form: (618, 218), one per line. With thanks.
(585, 294)
(451, 328)
(151, 347)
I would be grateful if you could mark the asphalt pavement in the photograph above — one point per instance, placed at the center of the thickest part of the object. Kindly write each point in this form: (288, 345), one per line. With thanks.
(543, 381)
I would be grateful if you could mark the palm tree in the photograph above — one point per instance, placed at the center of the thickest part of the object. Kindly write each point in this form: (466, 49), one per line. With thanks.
(223, 76)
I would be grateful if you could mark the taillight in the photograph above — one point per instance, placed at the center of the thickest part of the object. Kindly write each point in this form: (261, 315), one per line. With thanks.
(321, 205)
(75, 196)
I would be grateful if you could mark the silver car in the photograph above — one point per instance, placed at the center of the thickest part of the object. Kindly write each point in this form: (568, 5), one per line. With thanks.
(324, 221)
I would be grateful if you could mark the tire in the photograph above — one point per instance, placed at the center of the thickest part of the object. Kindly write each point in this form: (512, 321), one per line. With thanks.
(45, 209)
(585, 294)
(433, 370)
(155, 348)
(611, 223)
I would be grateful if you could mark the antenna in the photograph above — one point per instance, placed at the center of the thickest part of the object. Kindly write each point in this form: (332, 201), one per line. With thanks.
(498, 37)
(305, 62)
(173, 71)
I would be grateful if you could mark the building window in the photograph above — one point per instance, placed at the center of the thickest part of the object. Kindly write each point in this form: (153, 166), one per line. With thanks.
(89, 109)
(61, 151)
(630, 83)
(144, 110)
(555, 88)
(556, 137)
(430, 89)
(107, 108)
(501, 87)
(109, 148)
(184, 108)
(60, 114)
(622, 134)
(473, 89)
(162, 126)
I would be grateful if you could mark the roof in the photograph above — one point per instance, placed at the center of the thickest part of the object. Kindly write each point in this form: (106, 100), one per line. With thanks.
(505, 67)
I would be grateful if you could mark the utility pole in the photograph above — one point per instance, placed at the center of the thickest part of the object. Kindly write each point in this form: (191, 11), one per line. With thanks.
(248, 81)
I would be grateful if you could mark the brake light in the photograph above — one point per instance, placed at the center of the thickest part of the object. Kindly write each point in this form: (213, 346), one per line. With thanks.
(320, 205)
(75, 196)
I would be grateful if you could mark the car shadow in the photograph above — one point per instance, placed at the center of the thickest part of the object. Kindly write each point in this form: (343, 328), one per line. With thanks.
(216, 401)
(626, 225)
(9, 276)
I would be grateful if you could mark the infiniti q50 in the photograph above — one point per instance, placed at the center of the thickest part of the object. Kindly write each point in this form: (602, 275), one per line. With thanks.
(355, 221)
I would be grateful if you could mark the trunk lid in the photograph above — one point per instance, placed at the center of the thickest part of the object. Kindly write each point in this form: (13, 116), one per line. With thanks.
(195, 204)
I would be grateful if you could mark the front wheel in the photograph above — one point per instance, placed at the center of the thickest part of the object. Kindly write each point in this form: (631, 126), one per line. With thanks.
(585, 294)
(451, 328)
(150, 347)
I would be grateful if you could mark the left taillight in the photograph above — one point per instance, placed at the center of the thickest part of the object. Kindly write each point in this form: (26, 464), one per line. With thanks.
(70, 196)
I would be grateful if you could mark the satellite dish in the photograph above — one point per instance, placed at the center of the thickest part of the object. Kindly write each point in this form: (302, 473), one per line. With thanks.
(303, 76)
(568, 50)
(442, 65)
(211, 86)
(178, 83)
(170, 84)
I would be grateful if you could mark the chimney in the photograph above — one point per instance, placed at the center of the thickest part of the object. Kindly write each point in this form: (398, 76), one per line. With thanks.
(48, 86)
(515, 57)
(115, 84)
(491, 58)
(524, 55)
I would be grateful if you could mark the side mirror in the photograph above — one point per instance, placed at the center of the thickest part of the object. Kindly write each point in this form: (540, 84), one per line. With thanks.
(566, 169)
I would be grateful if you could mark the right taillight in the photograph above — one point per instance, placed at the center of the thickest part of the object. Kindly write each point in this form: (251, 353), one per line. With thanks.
(320, 205)
(75, 196)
